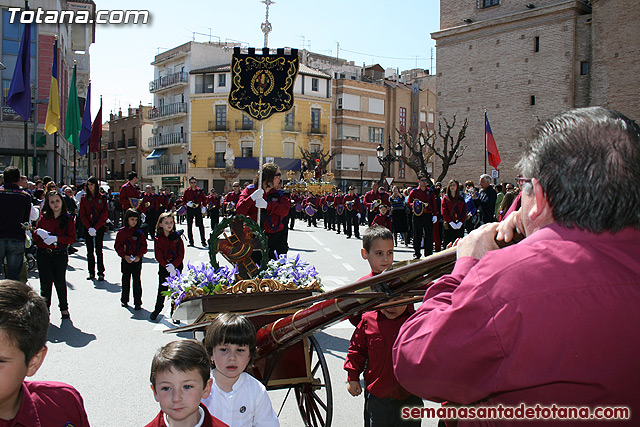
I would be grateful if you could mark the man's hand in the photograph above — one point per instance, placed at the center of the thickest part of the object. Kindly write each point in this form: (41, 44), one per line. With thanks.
(143, 217)
(358, 215)
(434, 219)
(478, 242)
(190, 204)
(261, 203)
(509, 226)
(257, 194)
(354, 389)
(203, 210)
(92, 232)
(171, 269)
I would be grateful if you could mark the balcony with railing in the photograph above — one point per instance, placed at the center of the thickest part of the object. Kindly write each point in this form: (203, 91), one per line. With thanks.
(131, 142)
(168, 111)
(217, 125)
(167, 169)
(111, 145)
(167, 140)
(317, 129)
(121, 143)
(169, 81)
(245, 125)
(292, 127)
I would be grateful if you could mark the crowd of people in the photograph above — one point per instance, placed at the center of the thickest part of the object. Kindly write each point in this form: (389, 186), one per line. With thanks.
(549, 321)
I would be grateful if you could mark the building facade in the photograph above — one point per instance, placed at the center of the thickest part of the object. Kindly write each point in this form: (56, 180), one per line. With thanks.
(73, 45)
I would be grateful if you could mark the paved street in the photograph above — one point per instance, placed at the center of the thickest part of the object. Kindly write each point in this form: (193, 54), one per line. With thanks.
(105, 351)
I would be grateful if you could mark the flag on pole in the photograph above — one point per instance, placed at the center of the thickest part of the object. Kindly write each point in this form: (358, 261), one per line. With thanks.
(96, 131)
(490, 145)
(72, 126)
(52, 122)
(85, 131)
(19, 97)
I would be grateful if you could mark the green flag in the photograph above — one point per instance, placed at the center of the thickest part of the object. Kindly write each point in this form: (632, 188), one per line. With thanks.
(41, 139)
(72, 125)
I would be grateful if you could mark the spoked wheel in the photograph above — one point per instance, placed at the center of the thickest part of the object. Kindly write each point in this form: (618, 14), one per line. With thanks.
(315, 400)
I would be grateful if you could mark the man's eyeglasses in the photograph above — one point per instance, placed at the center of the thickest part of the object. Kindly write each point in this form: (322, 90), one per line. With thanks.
(279, 174)
(522, 180)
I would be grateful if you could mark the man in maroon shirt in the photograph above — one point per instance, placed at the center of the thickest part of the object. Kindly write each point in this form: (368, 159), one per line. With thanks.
(129, 191)
(422, 201)
(231, 199)
(195, 199)
(552, 320)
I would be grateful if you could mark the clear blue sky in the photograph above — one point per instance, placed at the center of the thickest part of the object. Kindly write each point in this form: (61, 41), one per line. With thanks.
(392, 34)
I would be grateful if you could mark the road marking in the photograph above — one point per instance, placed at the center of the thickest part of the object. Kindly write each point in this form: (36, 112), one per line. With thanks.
(336, 256)
(203, 254)
(316, 239)
(348, 266)
(328, 249)
(338, 280)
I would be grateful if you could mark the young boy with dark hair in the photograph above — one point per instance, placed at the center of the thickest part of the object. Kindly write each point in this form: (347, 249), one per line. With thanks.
(24, 322)
(180, 378)
(372, 340)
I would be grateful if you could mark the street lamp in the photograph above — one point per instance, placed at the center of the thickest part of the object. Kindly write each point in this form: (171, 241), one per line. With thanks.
(361, 171)
(386, 161)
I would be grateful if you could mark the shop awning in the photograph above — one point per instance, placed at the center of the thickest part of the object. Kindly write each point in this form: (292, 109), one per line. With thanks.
(156, 153)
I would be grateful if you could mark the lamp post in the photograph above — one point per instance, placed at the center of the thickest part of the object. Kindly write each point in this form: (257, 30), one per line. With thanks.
(386, 161)
(361, 171)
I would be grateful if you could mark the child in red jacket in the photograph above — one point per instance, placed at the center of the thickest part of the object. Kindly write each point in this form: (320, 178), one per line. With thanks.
(169, 251)
(131, 245)
(383, 217)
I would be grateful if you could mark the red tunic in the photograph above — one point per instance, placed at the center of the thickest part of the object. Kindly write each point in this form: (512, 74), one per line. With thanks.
(48, 403)
(131, 241)
(372, 196)
(426, 197)
(212, 201)
(169, 249)
(196, 196)
(129, 191)
(209, 420)
(231, 197)
(153, 200)
(383, 220)
(94, 211)
(66, 235)
(454, 210)
(370, 352)
(355, 206)
(277, 208)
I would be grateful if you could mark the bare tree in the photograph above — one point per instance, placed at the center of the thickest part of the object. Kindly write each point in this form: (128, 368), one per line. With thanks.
(426, 144)
(309, 159)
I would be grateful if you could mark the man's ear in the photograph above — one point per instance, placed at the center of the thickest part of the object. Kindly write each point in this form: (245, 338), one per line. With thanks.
(36, 361)
(541, 208)
(155, 395)
(207, 388)
(363, 253)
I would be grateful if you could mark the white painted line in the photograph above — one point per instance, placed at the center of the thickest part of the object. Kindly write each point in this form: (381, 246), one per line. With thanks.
(328, 249)
(316, 239)
(336, 256)
(204, 254)
(348, 267)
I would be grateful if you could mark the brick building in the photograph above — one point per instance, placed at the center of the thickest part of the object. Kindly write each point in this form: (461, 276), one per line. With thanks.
(524, 62)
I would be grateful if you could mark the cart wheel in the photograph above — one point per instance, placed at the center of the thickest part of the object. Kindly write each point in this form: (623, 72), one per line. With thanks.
(315, 400)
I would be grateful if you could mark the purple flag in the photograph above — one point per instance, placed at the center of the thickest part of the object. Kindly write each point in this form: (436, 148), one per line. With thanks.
(85, 131)
(19, 97)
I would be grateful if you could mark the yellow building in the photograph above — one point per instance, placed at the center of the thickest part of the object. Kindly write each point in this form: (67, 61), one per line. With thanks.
(217, 129)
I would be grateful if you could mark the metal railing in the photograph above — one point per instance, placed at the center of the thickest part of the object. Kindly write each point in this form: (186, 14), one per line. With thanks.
(111, 145)
(121, 143)
(317, 129)
(168, 110)
(167, 139)
(167, 169)
(215, 125)
(168, 81)
(295, 127)
(131, 142)
(244, 125)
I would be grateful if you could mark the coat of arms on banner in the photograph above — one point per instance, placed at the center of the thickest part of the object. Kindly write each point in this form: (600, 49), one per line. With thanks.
(262, 85)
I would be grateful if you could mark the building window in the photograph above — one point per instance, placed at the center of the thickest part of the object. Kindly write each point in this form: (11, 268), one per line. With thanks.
(289, 119)
(289, 150)
(247, 149)
(487, 3)
(584, 68)
(220, 150)
(221, 117)
(204, 83)
(222, 80)
(403, 119)
(339, 103)
(533, 100)
(375, 135)
(314, 85)
(247, 123)
(536, 44)
(314, 148)
(315, 118)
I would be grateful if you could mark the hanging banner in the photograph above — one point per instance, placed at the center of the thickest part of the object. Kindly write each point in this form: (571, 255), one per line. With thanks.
(262, 85)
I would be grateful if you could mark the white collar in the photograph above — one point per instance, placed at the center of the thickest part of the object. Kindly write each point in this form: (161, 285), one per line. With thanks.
(200, 414)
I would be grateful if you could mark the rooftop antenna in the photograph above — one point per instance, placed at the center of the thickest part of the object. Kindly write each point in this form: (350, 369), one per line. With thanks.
(305, 43)
(266, 25)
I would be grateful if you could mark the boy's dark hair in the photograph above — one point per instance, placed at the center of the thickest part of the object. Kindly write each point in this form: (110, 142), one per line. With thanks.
(11, 175)
(230, 328)
(374, 233)
(131, 175)
(24, 317)
(183, 356)
(129, 214)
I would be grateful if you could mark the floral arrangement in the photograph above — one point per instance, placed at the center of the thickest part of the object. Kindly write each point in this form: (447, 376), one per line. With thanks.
(202, 279)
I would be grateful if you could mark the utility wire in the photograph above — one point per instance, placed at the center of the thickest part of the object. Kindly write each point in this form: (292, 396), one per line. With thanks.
(413, 58)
